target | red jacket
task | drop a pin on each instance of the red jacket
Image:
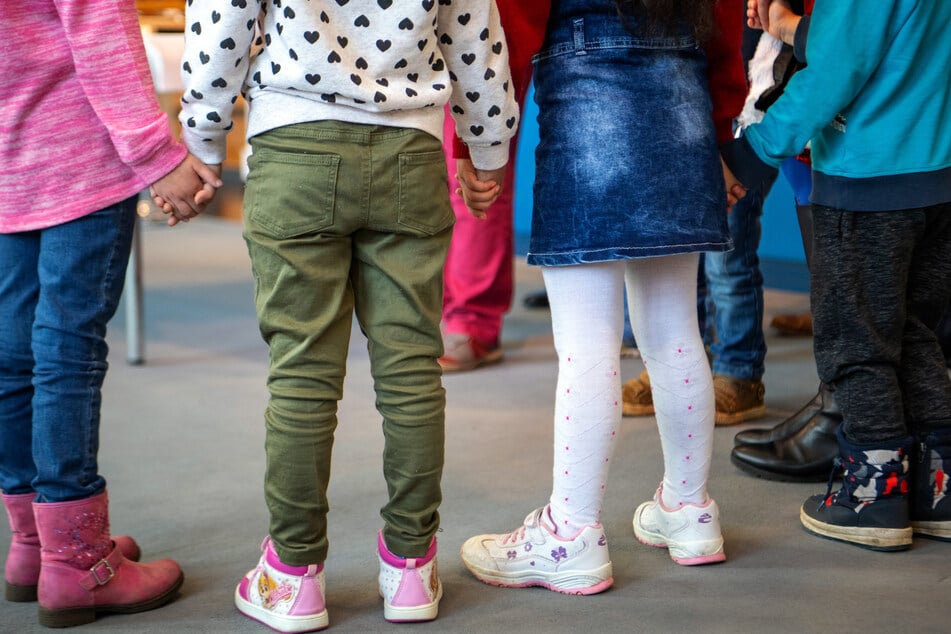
(725, 73)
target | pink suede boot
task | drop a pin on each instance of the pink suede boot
(83, 572)
(23, 561)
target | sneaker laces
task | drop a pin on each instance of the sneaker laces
(515, 536)
(519, 533)
(837, 463)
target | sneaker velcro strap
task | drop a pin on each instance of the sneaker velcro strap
(102, 571)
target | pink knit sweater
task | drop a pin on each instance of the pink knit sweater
(80, 127)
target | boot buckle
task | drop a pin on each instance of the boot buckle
(102, 572)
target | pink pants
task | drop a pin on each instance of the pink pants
(478, 278)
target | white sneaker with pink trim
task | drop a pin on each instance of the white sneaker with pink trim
(285, 598)
(691, 533)
(410, 587)
(535, 555)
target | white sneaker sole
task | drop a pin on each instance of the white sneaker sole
(565, 582)
(887, 539)
(280, 622)
(427, 612)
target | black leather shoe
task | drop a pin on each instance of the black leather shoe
(822, 402)
(806, 456)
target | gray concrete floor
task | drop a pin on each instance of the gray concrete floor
(182, 449)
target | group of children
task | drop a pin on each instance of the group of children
(347, 212)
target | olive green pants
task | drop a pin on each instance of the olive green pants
(342, 219)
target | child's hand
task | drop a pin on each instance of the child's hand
(734, 188)
(776, 17)
(478, 188)
(184, 192)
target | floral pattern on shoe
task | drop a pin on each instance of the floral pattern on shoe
(535, 555)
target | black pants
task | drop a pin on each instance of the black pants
(881, 283)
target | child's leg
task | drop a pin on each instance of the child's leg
(19, 292)
(925, 385)
(397, 285)
(587, 322)
(662, 294)
(79, 261)
(300, 254)
(874, 294)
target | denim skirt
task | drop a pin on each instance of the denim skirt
(627, 163)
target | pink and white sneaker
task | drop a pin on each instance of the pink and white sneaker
(285, 598)
(691, 533)
(410, 587)
(535, 555)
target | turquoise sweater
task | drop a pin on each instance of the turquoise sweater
(875, 100)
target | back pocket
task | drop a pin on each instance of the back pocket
(424, 192)
(291, 194)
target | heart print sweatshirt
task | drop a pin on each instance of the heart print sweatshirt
(381, 62)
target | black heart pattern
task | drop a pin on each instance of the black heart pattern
(362, 20)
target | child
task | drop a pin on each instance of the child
(624, 104)
(874, 100)
(81, 134)
(346, 211)
(478, 276)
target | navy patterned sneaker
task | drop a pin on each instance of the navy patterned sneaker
(931, 486)
(871, 509)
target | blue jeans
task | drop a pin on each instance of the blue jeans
(735, 284)
(58, 289)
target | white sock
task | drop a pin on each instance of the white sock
(587, 322)
(663, 308)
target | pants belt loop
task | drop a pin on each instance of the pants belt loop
(578, 31)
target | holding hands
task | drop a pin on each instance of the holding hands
(184, 192)
(478, 188)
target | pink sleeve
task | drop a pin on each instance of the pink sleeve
(105, 41)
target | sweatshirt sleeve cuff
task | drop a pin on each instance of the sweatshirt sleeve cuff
(743, 161)
(490, 157)
(208, 152)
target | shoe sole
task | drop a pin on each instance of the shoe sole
(883, 539)
(19, 594)
(933, 530)
(763, 474)
(413, 614)
(567, 582)
(723, 419)
(490, 358)
(681, 554)
(280, 622)
(68, 617)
